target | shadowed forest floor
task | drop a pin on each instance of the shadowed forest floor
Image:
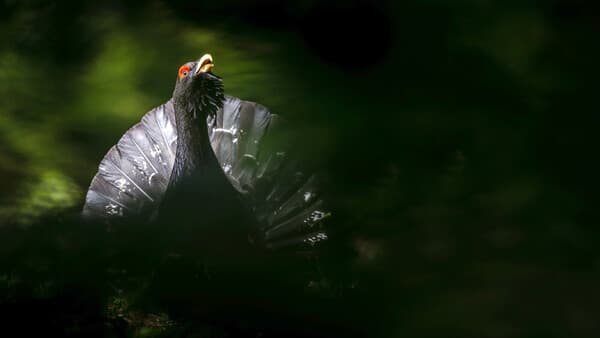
(456, 139)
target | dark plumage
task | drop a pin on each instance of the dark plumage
(208, 162)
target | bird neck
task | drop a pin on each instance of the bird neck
(194, 154)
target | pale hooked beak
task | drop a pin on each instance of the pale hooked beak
(205, 64)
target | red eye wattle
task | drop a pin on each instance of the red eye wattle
(184, 71)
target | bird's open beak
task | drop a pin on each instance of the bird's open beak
(204, 65)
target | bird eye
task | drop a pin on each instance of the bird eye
(184, 71)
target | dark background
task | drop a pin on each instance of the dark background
(457, 138)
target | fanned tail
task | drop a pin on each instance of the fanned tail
(133, 176)
(285, 200)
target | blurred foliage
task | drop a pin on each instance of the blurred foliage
(457, 138)
(52, 192)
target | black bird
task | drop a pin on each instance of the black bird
(192, 159)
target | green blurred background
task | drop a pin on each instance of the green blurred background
(456, 136)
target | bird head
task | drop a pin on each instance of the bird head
(198, 91)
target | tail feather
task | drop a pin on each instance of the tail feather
(107, 200)
(224, 148)
(134, 174)
(159, 124)
(301, 199)
(306, 241)
(284, 199)
(295, 223)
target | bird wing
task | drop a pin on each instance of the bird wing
(134, 174)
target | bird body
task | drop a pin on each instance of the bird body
(210, 163)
